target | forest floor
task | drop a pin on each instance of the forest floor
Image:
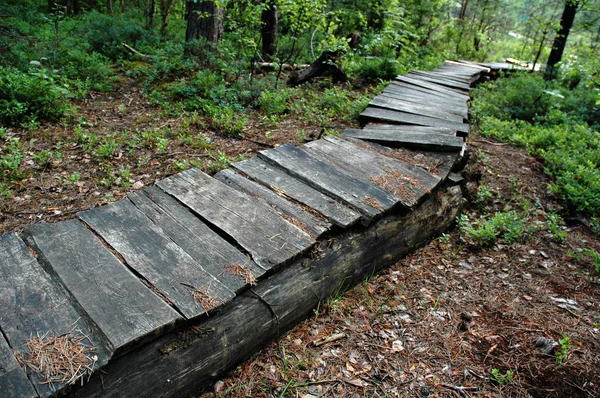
(120, 141)
(454, 318)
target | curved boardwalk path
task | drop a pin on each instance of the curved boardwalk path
(163, 291)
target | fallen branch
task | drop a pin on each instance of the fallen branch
(329, 339)
(462, 391)
(133, 50)
(284, 66)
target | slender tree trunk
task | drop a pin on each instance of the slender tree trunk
(204, 19)
(150, 13)
(560, 40)
(268, 30)
(165, 8)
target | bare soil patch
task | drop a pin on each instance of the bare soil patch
(453, 318)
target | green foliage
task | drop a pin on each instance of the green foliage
(552, 130)
(37, 94)
(509, 226)
(563, 352)
(10, 160)
(500, 379)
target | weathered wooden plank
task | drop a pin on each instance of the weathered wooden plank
(111, 297)
(315, 226)
(417, 109)
(366, 198)
(432, 141)
(387, 115)
(280, 181)
(461, 110)
(406, 183)
(13, 380)
(33, 305)
(450, 75)
(218, 257)
(152, 254)
(289, 296)
(433, 86)
(437, 163)
(452, 84)
(269, 238)
(400, 87)
(407, 129)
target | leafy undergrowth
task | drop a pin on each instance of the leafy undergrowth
(504, 305)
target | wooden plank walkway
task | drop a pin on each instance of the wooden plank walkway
(165, 290)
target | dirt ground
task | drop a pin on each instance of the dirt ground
(454, 318)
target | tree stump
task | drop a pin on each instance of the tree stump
(328, 64)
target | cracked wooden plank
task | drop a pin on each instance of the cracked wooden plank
(114, 299)
(33, 305)
(152, 254)
(390, 116)
(417, 109)
(366, 198)
(252, 223)
(406, 183)
(313, 225)
(205, 246)
(280, 181)
(13, 380)
(431, 140)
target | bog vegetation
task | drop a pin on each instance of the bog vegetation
(219, 64)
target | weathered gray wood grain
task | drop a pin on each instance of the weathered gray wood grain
(315, 226)
(110, 296)
(399, 86)
(280, 181)
(205, 246)
(406, 183)
(331, 180)
(407, 129)
(252, 223)
(152, 254)
(417, 109)
(13, 380)
(175, 366)
(433, 78)
(389, 116)
(454, 107)
(418, 81)
(432, 141)
(33, 305)
(437, 163)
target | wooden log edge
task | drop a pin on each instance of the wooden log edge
(187, 361)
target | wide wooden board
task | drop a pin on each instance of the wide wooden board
(417, 109)
(13, 380)
(454, 107)
(407, 129)
(217, 256)
(110, 296)
(399, 87)
(314, 225)
(153, 255)
(432, 141)
(250, 221)
(366, 198)
(282, 182)
(419, 81)
(387, 115)
(406, 183)
(33, 305)
(452, 84)
(438, 164)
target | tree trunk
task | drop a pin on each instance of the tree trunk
(268, 30)
(560, 40)
(150, 13)
(165, 8)
(204, 19)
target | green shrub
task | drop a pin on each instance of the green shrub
(30, 96)
(375, 68)
(510, 226)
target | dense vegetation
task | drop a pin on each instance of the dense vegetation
(54, 54)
